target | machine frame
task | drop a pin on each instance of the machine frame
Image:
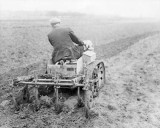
(86, 73)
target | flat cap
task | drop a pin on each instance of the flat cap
(55, 20)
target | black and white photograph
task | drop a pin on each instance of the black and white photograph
(79, 63)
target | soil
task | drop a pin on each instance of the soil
(130, 97)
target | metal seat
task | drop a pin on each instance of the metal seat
(66, 60)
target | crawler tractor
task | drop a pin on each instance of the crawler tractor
(86, 75)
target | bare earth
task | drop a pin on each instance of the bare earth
(130, 98)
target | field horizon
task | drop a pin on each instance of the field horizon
(43, 15)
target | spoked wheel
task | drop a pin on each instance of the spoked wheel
(97, 82)
(98, 76)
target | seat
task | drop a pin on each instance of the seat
(66, 60)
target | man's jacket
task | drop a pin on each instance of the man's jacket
(64, 42)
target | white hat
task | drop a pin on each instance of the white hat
(55, 21)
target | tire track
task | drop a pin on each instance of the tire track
(115, 47)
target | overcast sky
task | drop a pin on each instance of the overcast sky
(127, 8)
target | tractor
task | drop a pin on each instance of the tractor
(86, 75)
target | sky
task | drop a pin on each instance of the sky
(125, 8)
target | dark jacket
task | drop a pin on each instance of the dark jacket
(63, 40)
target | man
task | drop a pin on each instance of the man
(66, 44)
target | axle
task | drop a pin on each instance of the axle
(52, 84)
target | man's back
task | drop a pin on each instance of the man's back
(59, 38)
(63, 39)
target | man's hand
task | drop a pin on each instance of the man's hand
(88, 45)
(85, 47)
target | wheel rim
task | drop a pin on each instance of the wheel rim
(95, 86)
(101, 74)
(88, 99)
(90, 103)
(99, 77)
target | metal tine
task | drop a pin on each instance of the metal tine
(35, 77)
